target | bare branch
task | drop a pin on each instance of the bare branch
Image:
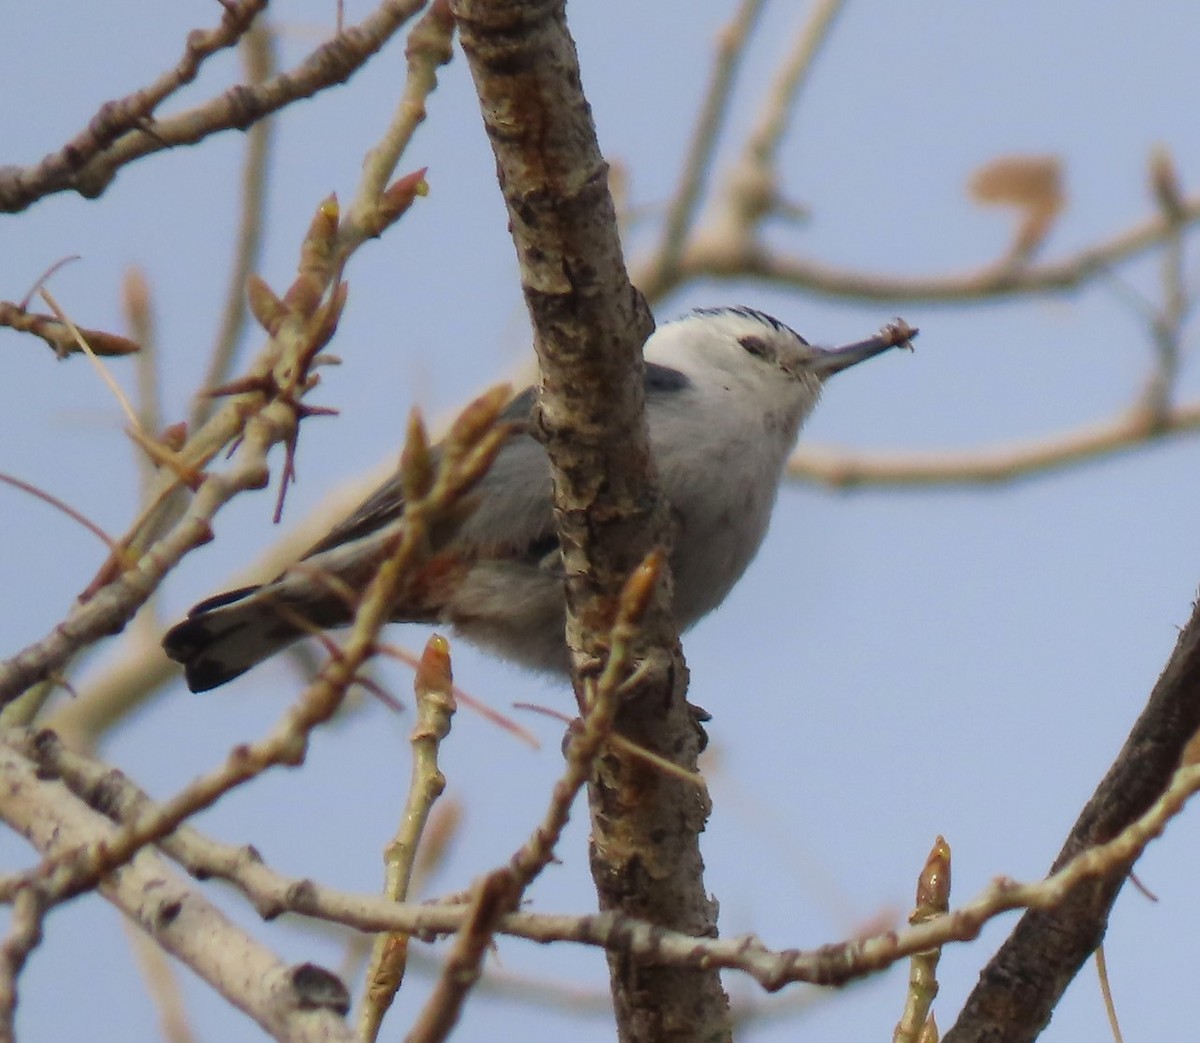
(239, 107)
(133, 112)
(24, 935)
(258, 57)
(266, 410)
(281, 999)
(751, 190)
(731, 46)
(140, 670)
(434, 691)
(468, 452)
(762, 145)
(1023, 982)
(500, 891)
(56, 333)
(273, 894)
(845, 470)
(711, 254)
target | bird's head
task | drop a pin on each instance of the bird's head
(744, 350)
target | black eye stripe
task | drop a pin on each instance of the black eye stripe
(756, 346)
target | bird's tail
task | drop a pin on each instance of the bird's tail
(226, 635)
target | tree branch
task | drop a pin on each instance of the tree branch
(843, 469)
(272, 894)
(1022, 984)
(237, 108)
(589, 325)
(298, 1003)
(135, 112)
(680, 216)
(258, 57)
(713, 254)
(266, 409)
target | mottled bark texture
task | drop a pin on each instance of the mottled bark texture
(1019, 989)
(589, 325)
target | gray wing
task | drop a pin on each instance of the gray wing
(386, 503)
(516, 514)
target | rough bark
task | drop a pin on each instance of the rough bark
(589, 325)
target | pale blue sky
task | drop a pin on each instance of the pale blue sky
(893, 666)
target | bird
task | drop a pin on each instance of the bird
(727, 390)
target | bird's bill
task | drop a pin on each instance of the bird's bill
(828, 361)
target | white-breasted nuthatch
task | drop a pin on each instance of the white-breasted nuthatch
(727, 390)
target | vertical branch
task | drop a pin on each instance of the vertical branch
(139, 316)
(24, 935)
(762, 146)
(162, 986)
(1166, 326)
(500, 891)
(752, 190)
(589, 324)
(731, 45)
(258, 56)
(435, 706)
(933, 900)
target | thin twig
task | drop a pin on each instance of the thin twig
(58, 336)
(428, 48)
(24, 934)
(137, 674)
(66, 508)
(272, 893)
(266, 410)
(258, 58)
(500, 891)
(467, 453)
(1110, 1008)
(1166, 327)
(237, 108)
(933, 900)
(86, 348)
(139, 315)
(731, 46)
(435, 707)
(752, 186)
(779, 107)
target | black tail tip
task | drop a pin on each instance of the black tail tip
(191, 644)
(194, 643)
(204, 675)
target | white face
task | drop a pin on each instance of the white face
(753, 349)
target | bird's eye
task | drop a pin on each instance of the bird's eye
(756, 346)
